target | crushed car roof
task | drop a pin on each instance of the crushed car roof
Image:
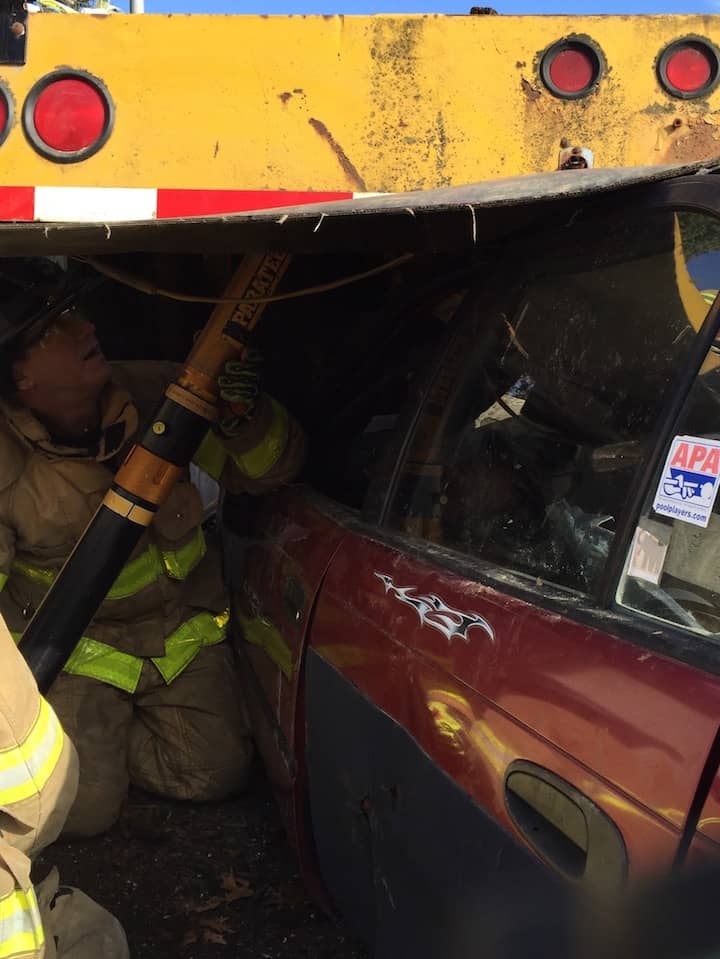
(440, 220)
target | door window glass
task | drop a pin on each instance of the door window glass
(548, 396)
(672, 571)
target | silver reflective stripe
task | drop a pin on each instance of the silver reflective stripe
(25, 768)
(21, 931)
(44, 748)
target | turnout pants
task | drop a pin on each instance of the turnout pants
(186, 740)
(75, 926)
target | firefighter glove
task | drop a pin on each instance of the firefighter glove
(239, 385)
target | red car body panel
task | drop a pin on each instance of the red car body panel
(629, 728)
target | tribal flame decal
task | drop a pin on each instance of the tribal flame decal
(432, 611)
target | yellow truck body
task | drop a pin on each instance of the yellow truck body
(346, 105)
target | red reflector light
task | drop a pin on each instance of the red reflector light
(571, 69)
(68, 116)
(689, 68)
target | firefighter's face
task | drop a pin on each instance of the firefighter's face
(67, 357)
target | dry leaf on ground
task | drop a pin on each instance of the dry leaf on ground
(234, 889)
(209, 930)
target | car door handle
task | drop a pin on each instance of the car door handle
(565, 828)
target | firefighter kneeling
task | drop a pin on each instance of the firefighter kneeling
(150, 695)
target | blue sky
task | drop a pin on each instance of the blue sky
(425, 6)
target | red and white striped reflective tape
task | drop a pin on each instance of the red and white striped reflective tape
(79, 204)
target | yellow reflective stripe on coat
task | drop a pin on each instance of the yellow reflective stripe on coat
(96, 660)
(186, 642)
(26, 767)
(43, 577)
(146, 568)
(21, 929)
(179, 563)
(139, 572)
(709, 296)
(261, 459)
(260, 632)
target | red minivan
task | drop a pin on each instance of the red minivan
(482, 635)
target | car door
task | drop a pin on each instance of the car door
(481, 711)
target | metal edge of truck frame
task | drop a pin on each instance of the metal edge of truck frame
(443, 220)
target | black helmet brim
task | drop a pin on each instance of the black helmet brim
(26, 315)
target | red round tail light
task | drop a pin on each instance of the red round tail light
(68, 116)
(689, 68)
(571, 69)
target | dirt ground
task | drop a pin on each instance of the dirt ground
(203, 882)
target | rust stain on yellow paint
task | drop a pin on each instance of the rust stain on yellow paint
(347, 165)
(697, 139)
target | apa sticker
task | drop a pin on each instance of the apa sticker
(689, 480)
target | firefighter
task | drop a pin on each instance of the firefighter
(38, 779)
(150, 695)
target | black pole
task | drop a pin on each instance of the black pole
(70, 604)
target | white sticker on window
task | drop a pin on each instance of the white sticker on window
(648, 551)
(689, 480)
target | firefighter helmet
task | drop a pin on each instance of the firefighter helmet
(33, 293)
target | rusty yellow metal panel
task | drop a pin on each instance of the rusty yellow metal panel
(363, 104)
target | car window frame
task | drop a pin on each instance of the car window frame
(693, 194)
